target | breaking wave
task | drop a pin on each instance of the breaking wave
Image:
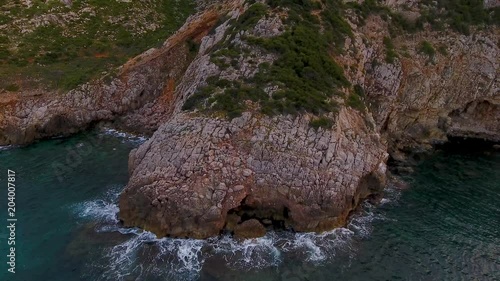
(7, 147)
(320, 247)
(103, 209)
(124, 136)
(248, 254)
(142, 256)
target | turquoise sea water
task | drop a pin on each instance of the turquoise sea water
(444, 226)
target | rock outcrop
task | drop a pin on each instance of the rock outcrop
(200, 175)
(195, 171)
(420, 100)
(139, 98)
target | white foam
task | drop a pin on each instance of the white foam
(125, 136)
(182, 259)
(249, 253)
(7, 147)
(186, 254)
(122, 257)
(175, 259)
(319, 247)
(385, 201)
(102, 210)
(392, 194)
(362, 224)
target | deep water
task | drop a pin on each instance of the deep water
(444, 226)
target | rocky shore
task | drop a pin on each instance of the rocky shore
(200, 175)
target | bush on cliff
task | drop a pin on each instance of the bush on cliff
(390, 53)
(427, 48)
(321, 122)
(305, 71)
(460, 15)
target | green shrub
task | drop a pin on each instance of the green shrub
(461, 14)
(230, 52)
(321, 122)
(4, 19)
(458, 14)
(355, 101)
(358, 90)
(304, 71)
(304, 66)
(195, 99)
(102, 43)
(442, 50)
(397, 20)
(4, 54)
(390, 53)
(193, 47)
(12, 88)
(426, 48)
(251, 16)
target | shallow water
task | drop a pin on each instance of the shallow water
(446, 226)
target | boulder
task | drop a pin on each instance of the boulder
(249, 229)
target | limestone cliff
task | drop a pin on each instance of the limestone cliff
(420, 100)
(234, 149)
(136, 99)
(196, 174)
(199, 176)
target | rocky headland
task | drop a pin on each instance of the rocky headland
(223, 158)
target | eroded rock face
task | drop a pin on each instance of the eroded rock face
(139, 98)
(194, 171)
(457, 95)
(463, 122)
(420, 100)
(200, 176)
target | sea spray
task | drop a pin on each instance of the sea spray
(183, 259)
(250, 253)
(319, 247)
(137, 139)
(8, 147)
(103, 209)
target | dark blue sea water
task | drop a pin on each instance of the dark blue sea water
(444, 226)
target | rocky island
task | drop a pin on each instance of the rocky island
(280, 114)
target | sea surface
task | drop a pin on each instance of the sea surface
(444, 225)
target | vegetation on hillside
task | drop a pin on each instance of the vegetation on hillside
(305, 73)
(427, 48)
(49, 44)
(459, 15)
